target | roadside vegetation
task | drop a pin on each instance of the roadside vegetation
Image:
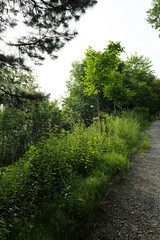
(50, 192)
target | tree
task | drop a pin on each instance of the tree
(19, 96)
(17, 88)
(15, 134)
(100, 69)
(77, 105)
(140, 78)
(154, 14)
(20, 128)
(46, 118)
(145, 97)
(118, 92)
(139, 68)
(46, 22)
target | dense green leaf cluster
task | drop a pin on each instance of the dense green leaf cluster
(100, 67)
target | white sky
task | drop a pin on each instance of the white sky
(115, 20)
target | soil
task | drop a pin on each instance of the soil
(131, 211)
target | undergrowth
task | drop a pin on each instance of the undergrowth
(51, 192)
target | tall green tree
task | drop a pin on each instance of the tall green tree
(100, 69)
(47, 25)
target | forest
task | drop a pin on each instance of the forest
(57, 159)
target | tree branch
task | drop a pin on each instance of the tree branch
(20, 44)
(8, 93)
(2, 40)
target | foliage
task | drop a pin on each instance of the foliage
(153, 14)
(132, 84)
(64, 166)
(77, 105)
(46, 23)
(20, 128)
(140, 78)
(60, 179)
(15, 134)
(100, 68)
(25, 114)
(139, 68)
(46, 118)
(118, 92)
(146, 97)
(17, 87)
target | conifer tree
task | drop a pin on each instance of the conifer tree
(46, 22)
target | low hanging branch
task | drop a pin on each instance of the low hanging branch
(47, 22)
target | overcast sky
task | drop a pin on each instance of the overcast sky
(115, 20)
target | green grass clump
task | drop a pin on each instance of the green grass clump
(51, 192)
(145, 143)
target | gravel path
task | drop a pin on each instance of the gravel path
(132, 209)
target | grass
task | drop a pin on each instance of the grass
(145, 143)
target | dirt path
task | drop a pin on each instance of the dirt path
(132, 209)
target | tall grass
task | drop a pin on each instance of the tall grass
(50, 194)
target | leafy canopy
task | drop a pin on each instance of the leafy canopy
(100, 67)
(138, 69)
(102, 75)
